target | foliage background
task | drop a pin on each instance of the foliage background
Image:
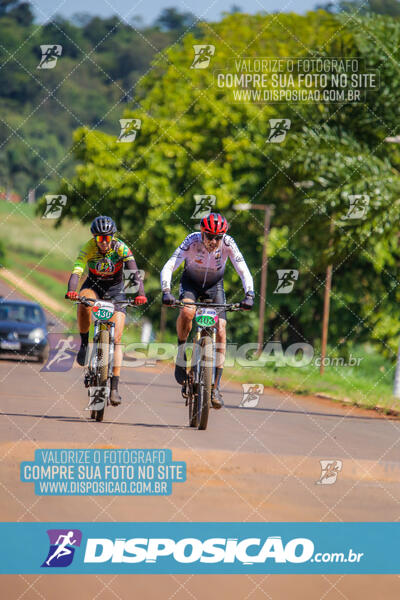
(59, 129)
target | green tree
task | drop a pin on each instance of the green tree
(194, 139)
(359, 7)
(171, 19)
(20, 11)
(94, 77)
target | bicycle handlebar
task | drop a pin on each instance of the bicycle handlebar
(177, 304)
(90, 301)
(231, 306)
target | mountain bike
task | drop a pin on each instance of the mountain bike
(200, 377)
(97, 377)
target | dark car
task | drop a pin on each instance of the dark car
(23, 329)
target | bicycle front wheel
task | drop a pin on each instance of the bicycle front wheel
(102, 365)
(205, 381)
(193, 399)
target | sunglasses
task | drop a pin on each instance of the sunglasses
(212, 236)
(103, 238)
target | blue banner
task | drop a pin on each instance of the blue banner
(214, 548)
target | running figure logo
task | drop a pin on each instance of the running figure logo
(204, 205)
(54, 206)
(329, 471)
(251, 394)
(358, 207)
(98, 397)
(279, 129)
(50, 53)
(131, 281)
(63, 350)
(62, 547)
(286, 280)
(202, 56)
(129, 129)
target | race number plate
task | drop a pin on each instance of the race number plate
(206, 317)
(103, 311)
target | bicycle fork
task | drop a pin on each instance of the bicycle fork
(111, 348)
(199, 354)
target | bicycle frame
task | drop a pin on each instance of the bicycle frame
(201, 331)
(198, 389)
(98, 326)
(93, 378)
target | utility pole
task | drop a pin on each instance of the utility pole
(327, 300)
(31, 196)
(163, 320)
(396, 387)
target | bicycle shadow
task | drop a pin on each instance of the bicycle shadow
(64, 419)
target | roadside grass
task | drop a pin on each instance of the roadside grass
(33, 242)
(368, 384)
(54, 288)
(37, 236)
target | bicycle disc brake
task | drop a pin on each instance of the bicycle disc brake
(87, 379)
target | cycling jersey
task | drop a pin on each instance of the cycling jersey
(205, 268)
(105, 268)
(103, 265)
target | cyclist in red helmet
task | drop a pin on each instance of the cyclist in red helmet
(205, 254)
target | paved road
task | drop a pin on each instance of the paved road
(258, 464)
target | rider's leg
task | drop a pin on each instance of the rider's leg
(184, 321)
(84, 312)
(119, 319)
(221, 349)
(183, 328)
(84, 315)
(218, 296)
(219, 363)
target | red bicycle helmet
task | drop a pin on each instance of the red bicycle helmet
(214, 223)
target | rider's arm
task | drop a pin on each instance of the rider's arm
(79, 265)
(73, 282)
(172, 264)
(131, 266)
(240, 266)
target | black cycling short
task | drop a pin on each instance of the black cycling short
(107, 290)
(190, 289)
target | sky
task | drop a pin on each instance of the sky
(209, 10)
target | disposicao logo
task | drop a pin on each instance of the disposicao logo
(62, 547)
(190, 550)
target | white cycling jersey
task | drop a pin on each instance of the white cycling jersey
(206, 268)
